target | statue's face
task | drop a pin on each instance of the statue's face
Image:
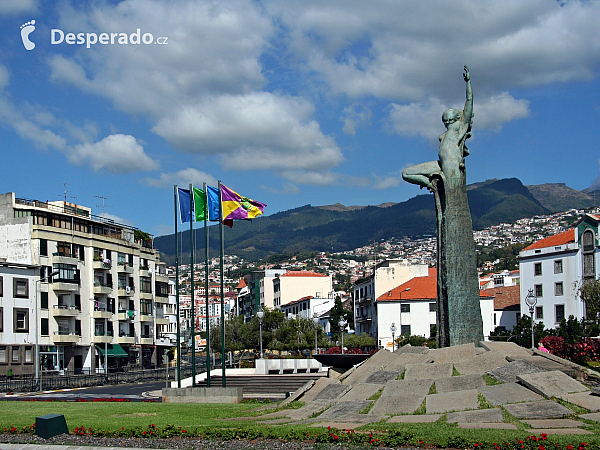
(450, 116)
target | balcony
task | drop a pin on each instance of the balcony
(102, 264)
(162, 300)
(64, 258)
(146, 317)
(102, 288)
(162, 277)
(162, 321)
(166, 341)
(126, 314)
(365, 299)
(124, 268)
(65, 337)
(101, 339)
(145, 272)
(101, 314)
(363, 317)
(125, 291)
(65, 285)
(146, 339)
(65, 311)
(146, 295)
(125, 338)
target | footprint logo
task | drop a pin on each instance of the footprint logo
(26, 29)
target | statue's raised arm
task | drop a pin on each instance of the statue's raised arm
(468, 111)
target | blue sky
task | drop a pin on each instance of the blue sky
(289, 103)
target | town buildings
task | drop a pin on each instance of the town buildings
(95, 291)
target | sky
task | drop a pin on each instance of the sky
(288, 102)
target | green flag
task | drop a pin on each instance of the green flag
(199, 204)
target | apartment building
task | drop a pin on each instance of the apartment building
(292, 285)
(386, 276)
(105, 294)
(554, 267)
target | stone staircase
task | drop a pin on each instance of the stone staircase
(274, 387)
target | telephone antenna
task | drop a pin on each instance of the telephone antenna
(103, 205)
(64, 194)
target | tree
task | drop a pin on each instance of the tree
(335, 314)
(589, 292)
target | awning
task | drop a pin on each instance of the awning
(113, 350)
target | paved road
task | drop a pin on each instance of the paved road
(134, 392)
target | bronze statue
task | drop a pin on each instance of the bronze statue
(459, 314)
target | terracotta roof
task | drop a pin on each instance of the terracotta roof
(299, 300)
(432, 272)
(505, 296)
(417, 288)
(566, 237)
(241, 284)
(298, 273)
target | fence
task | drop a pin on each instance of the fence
(69, 381)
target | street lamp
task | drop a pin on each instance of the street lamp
(531, 301)
(260, 314)
(316, 322)
(342, 323)
(37, 333)
(393, 330)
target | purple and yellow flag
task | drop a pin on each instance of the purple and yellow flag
(236, 207)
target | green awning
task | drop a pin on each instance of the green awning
(113, 350)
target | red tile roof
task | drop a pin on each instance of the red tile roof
(241, 284)
(298, 273)
(505, 296)
(566, 237)
(299, 300)
(418, 288)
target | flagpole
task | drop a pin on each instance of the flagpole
(177, 293)
(206, 286)
(222, 293)
(192, 286)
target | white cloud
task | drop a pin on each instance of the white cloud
(117, 219)
(356, 116)
(182, 178)
(311, 177)
(117, 153)
(286, 189)
(4, 77)
(17, 6)
(387, 182)
(256, 131)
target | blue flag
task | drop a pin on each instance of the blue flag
(213, 203)
(184, 205)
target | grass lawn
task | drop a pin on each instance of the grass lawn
(204, 418)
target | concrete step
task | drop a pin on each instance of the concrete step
(265, 384)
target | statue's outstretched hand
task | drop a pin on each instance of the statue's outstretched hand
(466, 75)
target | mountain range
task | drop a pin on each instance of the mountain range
(338, 227)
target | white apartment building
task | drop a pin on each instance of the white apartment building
(412, 308)
(555, 266)
(387, 275)
(308, 306)
(17, 317)
(292, 285)
(104, 290)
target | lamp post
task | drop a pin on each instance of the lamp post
(342, 323)
(316, 323)
(260, 314)
(393, 330)
(37, 333)
(531, 301)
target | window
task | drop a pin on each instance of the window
(43, 300)
(433, 307)
(538, 290)
(63, 249)
(21, 320)
(558, 288)
(537, 269)
(405, 330)
(121, 259)
(558, 268)
(15, 354)
(539, 312)
(405, 307)
(3, 354)
(44, 327)
(20, 288)
(1, 287)
(28, 355)
(66, 272)
(559, 313)
(1, 320)
(43, 247)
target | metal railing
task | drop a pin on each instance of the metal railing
(53, 381)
